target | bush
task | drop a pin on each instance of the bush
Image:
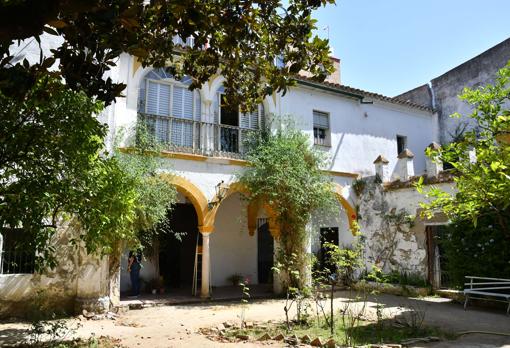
(477, 251)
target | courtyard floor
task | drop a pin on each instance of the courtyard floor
(177, 325)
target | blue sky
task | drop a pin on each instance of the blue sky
(391, 46)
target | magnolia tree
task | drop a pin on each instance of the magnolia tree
(55, 168)
(285, 172)
(50, 140)
(480, 160)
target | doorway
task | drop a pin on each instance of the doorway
(327, 235)
(177, 249)
(437, 262)
(265, 252)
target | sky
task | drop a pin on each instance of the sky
(392, 46)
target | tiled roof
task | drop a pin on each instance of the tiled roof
(355, 92)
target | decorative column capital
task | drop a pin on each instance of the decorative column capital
(206, 230)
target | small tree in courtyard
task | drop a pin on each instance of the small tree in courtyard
(286, 173)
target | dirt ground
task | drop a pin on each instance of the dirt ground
(177, 326)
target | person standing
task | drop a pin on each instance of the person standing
(134, 267)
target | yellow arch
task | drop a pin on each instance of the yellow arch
(350, 211)
(193, 193)
(252, 210)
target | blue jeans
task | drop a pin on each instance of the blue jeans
(135, 281)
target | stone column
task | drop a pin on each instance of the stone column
(405, 165)
(434, 165)
(206, 261)
(277, 278)
(381, 168)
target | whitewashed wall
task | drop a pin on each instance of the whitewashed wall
(233, 250)
(361, 132)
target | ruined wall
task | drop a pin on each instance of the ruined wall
(446, 89)
(78, 281)
(420, 95)
(395, 238)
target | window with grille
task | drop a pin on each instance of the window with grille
(17, 256)
(321, 131)
(171, 108)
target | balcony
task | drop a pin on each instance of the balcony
(196, 137)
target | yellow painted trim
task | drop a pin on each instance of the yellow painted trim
(252, 210)
(136, 64)
(231, 161)
(351, 212)
(191, 192)
(184, 156)
(210, 218)
(238, 162)
(206, 229)
(336, 173)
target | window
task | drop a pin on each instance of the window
(401, 143)
(321, 128)
(234, 125)
(16, 255)
(170, 108)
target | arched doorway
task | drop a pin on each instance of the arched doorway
(177, 248)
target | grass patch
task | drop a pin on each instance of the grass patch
(92, 342)
(366, 332)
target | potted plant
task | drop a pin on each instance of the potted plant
(235, 279)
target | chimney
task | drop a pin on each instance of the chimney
(434, 165)
(381, 168)
(405, 167)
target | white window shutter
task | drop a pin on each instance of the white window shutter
(177, 108)
(198, 106)
(188, 104)
(152, 98)
(320, 119)
(164, 100)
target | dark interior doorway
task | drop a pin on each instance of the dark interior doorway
(177, 257)
(265, 252)
(327, 235)
(437, 262)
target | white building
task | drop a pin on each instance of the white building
(205, 149)
(204, 141)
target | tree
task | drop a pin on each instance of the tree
(52, 160)
(51, 165)
(54, 168)
(482, 180)
(155, 196)
(285, 172)
(244, 40)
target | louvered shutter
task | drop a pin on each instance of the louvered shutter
(244, 120)
(152, 98)
(177, 110)
(164, 100)
(188, 104)
(158, 99)
(198, 106)
(177, 133)
(320, 119)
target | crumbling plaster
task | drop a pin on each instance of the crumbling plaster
(394, 232)
(78, 281)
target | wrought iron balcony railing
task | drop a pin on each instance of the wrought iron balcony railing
(196, 137)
